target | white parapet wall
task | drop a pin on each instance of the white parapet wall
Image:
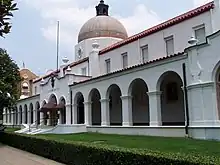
(171, 131)
(67, 129)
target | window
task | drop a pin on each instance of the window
(144, 53)
(84, 73)
(169, 45)
(35, 90)
(108, 65)
(200, 33)
(125, 60)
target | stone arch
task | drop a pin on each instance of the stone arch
(53, 98)
(37, 108)
(172, 99)
(94, 98)
(43, 103)
(62, 102)
(25, 114)
(140, 102)
(79, 102)
(53, 114)
(20, 113)
(31, 111)
(115, 104)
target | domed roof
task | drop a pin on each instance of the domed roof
(102, 25)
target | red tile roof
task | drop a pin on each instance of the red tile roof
(132, 67)
(57, 71)
(161, 26)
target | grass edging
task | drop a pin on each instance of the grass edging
(82, 153)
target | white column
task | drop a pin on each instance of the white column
(59, 120)
(68, 114)
(42, 118)
(75, 113)
(18, 118)
(105, 112)
(155, 108)
(126, 110)
(88, 113)
(23, 117)
(29, 117)
(13, 118)
(35, 117)
(49, 119)
(4, 118)
(9, 115)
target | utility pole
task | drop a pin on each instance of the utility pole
(58, 37)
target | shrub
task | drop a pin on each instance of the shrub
(81, 153)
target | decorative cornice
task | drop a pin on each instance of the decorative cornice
(200, 85)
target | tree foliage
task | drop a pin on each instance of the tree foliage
(6, 9)
(9, 80)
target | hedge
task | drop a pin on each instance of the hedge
(81, 153)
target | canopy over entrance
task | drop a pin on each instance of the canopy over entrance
(52, 107)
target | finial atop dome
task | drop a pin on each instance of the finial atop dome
(102, 9)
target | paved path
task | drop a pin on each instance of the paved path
(12, 156)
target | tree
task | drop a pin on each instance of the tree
(9, 81)
(6, 9)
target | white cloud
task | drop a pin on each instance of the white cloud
(72, 14)
(200, 2)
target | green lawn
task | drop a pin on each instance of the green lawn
(11, 129)
(162, 144)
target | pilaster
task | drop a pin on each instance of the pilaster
(202, 105)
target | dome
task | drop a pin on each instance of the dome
(102, 25)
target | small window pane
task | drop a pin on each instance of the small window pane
(200, 35)
(84, 73)
(108, 66)
(125, 60)
(144, 54)
(169, 46)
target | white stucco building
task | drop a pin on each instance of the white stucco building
(163, 81)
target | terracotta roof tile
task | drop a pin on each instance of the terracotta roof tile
(164, 25)
(132, 67)
(57, 71)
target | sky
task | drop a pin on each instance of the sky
(32, 40)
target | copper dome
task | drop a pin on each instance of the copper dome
(102, 26)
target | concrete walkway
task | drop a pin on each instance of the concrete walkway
(12, 156)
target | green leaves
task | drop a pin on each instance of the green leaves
(85, 153)
(9, 80)
(6, 9)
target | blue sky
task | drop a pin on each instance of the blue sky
(33, 36)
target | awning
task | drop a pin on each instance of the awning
(48, 107)
(52, 107)
(60, 106)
